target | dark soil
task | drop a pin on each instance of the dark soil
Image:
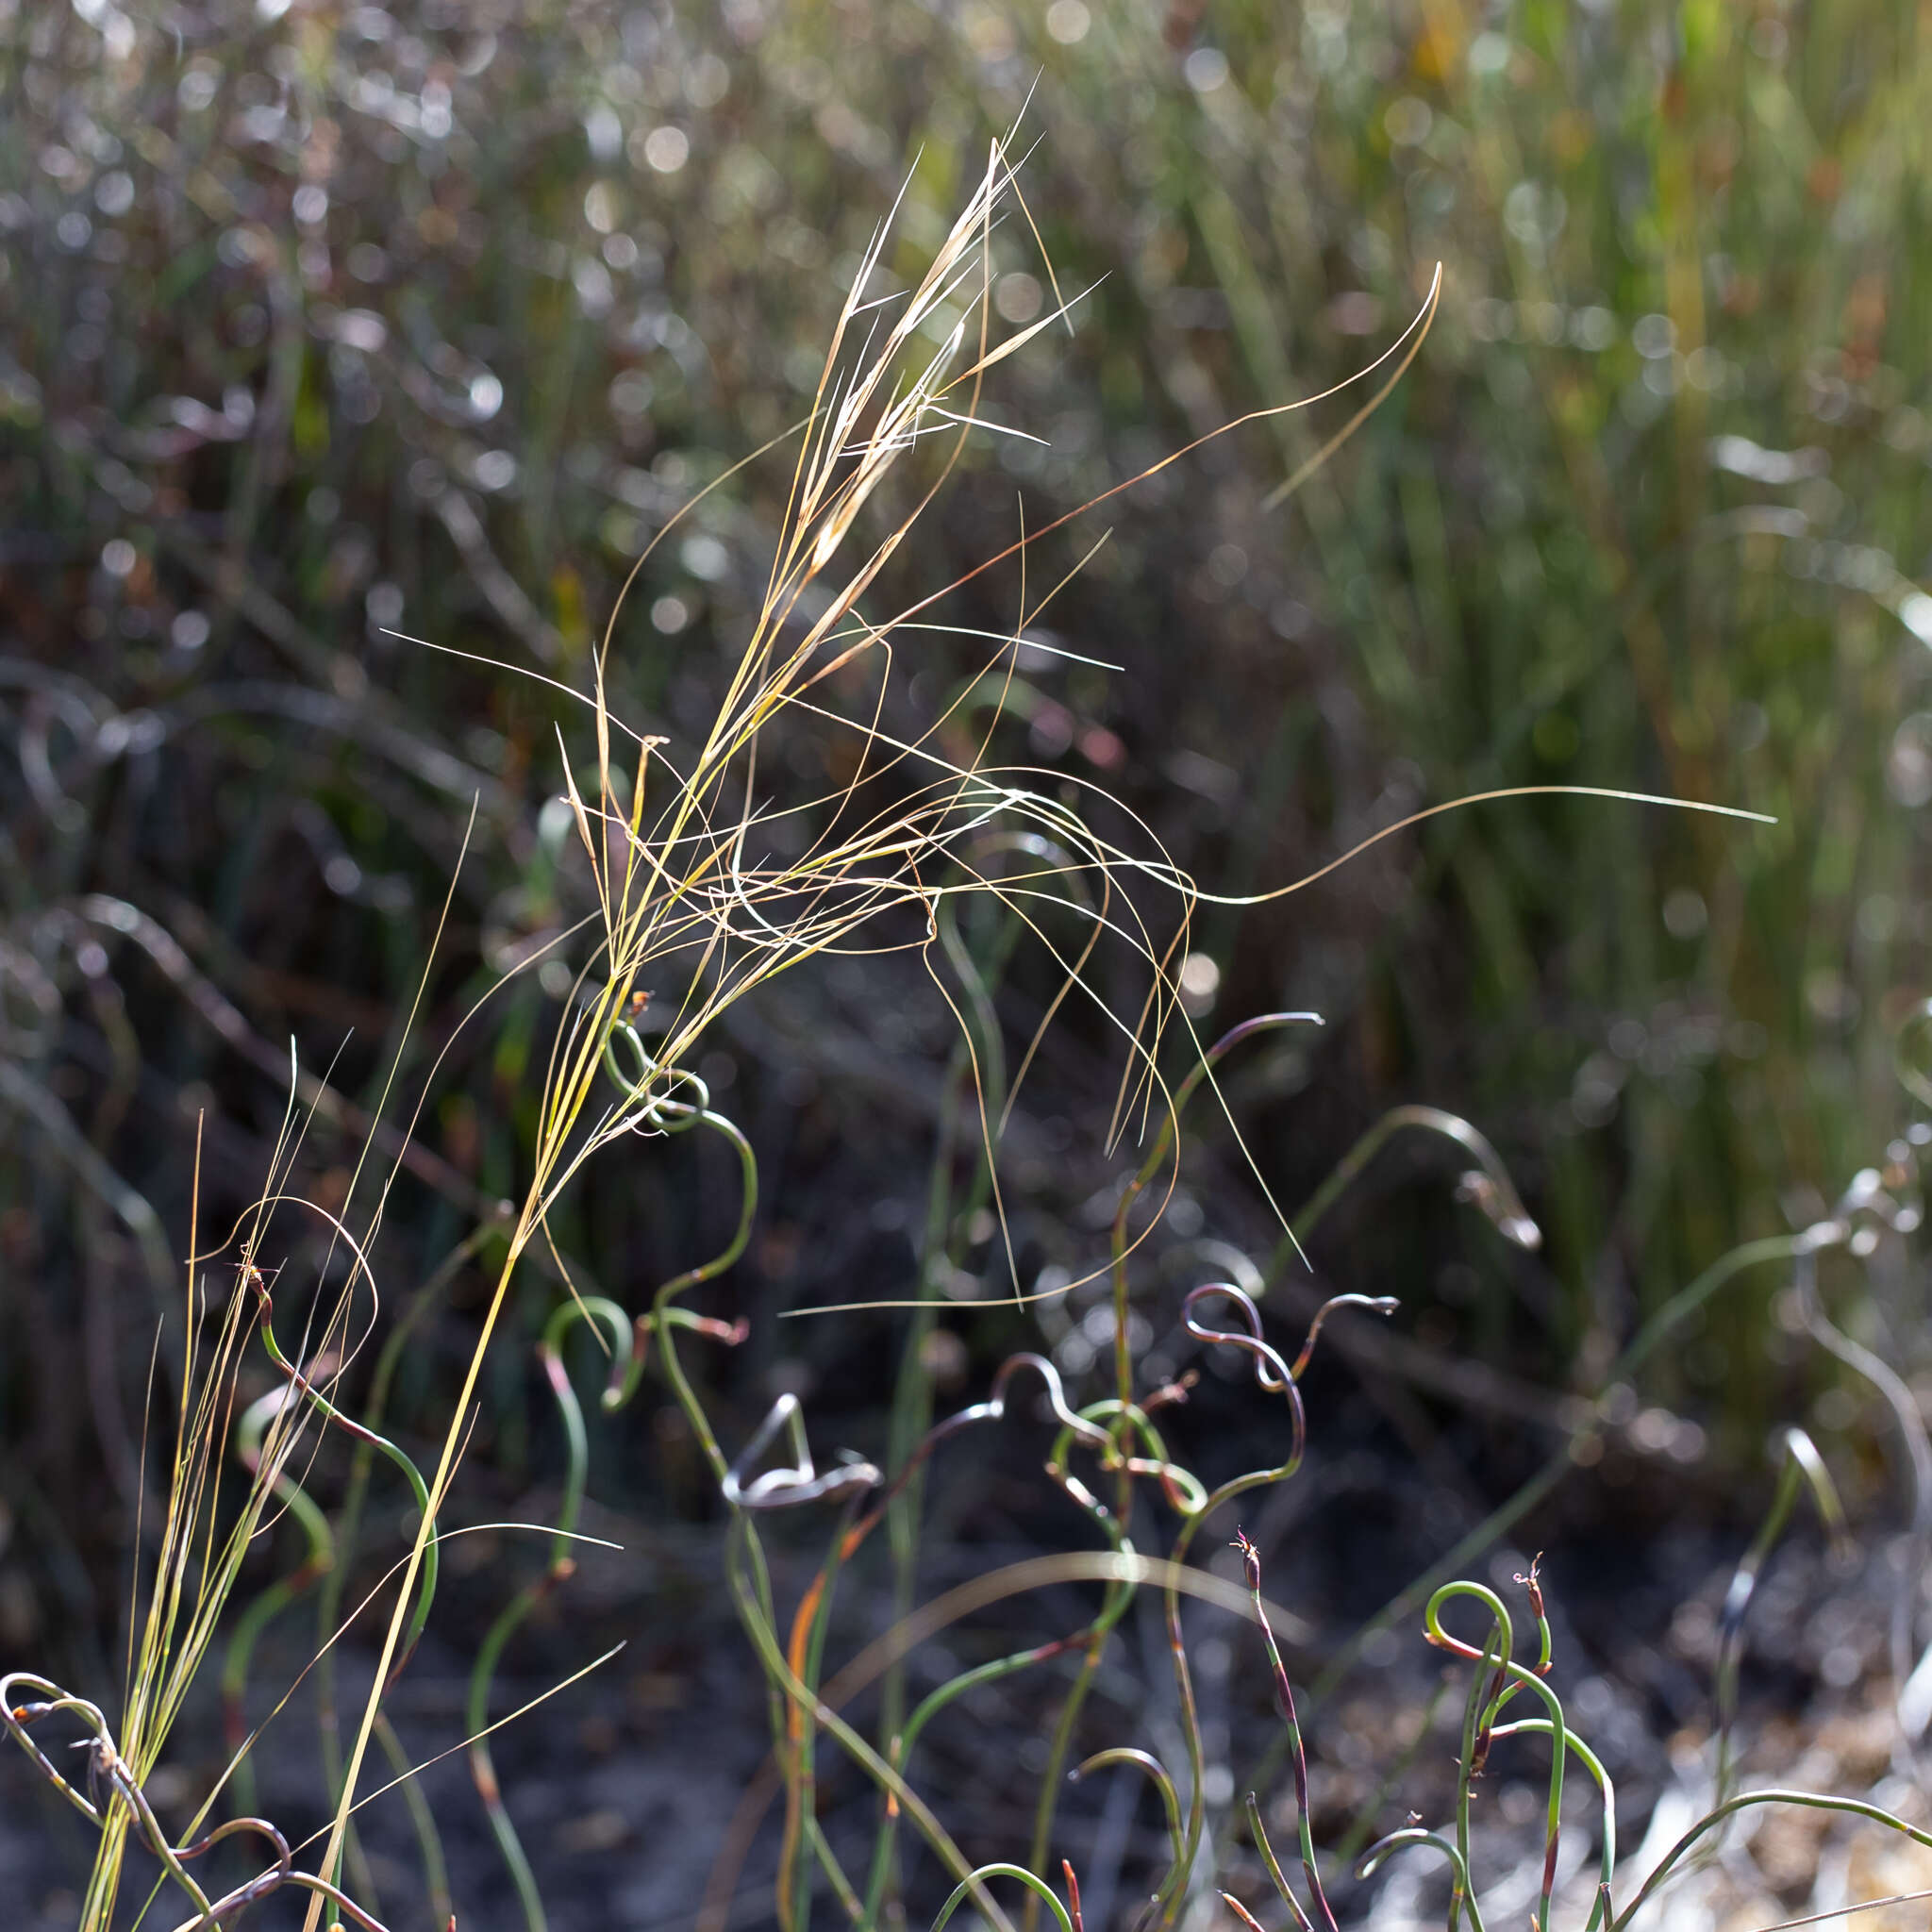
(622, 1785)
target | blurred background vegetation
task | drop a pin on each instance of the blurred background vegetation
(322, 322)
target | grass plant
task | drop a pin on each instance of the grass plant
(1558, 556)
(711, 876)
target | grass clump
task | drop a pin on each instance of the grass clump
(708, 882)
